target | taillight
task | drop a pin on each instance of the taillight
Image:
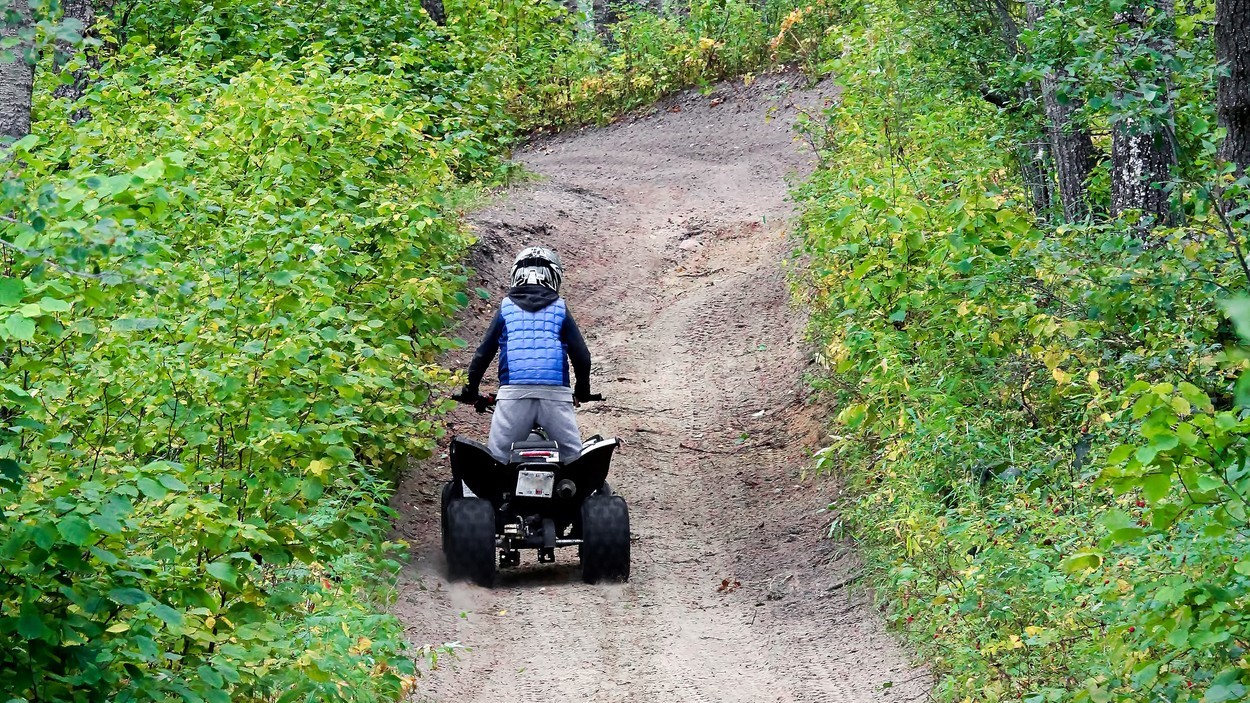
(538, 455)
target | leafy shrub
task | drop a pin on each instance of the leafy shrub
(223, 305)
(1040, 422)
(565, 76)
(222, 302)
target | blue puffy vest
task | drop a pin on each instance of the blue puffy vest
(532, 352)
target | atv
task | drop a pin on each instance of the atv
(534, 502)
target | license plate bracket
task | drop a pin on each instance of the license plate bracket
(535, 484)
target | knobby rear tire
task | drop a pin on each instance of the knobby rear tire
(470, 539)
(605, 539)
(445, 500)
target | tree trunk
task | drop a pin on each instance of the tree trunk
(604, 13)
(604, 16)
(1073, 150)
(84, 12)
(1232, 48)
(1033, 158)
(1141, 161)
(1071, 144)
(1141, 152)
(1035, 162)
(17, 76)
(434, 8)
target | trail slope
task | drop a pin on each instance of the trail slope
(672, 230)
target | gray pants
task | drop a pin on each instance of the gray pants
(514, 419)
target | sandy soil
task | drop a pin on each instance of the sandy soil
(672, 227)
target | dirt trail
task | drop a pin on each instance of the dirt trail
(672, 231)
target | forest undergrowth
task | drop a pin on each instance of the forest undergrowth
(1038, 362)
(228, 262)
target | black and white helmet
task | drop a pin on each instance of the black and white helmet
(538, 265)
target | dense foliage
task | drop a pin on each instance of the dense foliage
(222, 303)
(1042, 419)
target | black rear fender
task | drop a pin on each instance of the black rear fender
(590, 470)
(489, 479)
(472, 463)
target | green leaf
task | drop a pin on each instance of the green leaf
(1221, 693)
(224, 572)
(1126, 534)
(127, 596)
(1164, 442)
(1241, 390)
(210, 676)
(151, 488)
(172, 482)
(11, 470)
(152, 170)
(1081, 561)
(19, 327)
(168, 615)
(1156, 486)
(136, 324)
(74, 529)
(312, 488)
(12, 290)
(53, 304)
(1120, 454)
(482, 293)
(283, 277)
(30, 624)
(1238, 311)
(107, 524)
(341, 454)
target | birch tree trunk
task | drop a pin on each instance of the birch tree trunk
(17, 76)
(1141, 151)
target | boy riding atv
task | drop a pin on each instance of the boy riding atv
(535, 337)
(536, 486)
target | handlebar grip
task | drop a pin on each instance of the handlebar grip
(484, 403)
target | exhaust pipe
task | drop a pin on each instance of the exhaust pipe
(566, 489)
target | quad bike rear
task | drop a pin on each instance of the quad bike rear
(492, 511)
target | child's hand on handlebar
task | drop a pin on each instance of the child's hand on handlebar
(579, 398)
(466, 396)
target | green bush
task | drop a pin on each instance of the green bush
(987, 367)
(222, 303)
(568, 77)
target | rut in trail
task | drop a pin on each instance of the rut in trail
(672, 229)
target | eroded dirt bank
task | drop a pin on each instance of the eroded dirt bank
(672, 231)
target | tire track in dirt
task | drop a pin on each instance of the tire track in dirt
(672, 230)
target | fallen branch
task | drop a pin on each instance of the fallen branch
(692, 448)
(845, 582)
(701, 274)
